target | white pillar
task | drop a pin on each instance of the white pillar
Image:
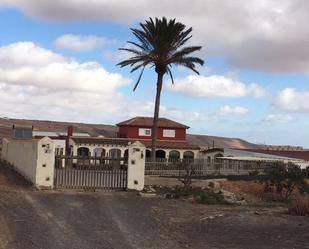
(45, 163)
(75, 147)
(136, 166)
(181, 154)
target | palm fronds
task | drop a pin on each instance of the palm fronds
(160, 44)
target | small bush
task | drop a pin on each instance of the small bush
(181, 191)
(299, 208)
(200, 196)
(210, 198)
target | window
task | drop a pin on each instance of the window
(23, 133)
(144, 132)
(168, 133)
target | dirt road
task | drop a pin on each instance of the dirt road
(32, 219)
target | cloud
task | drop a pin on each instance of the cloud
(229, 110)
(142, 108)
(256, 90)
(78, 42)
(293, 100)
(279, 118)
(264, 35)
(214, 86)
(45, 68)
(181, 115)
(118, 55)
(49, 85)
(17, 55)
(44, 103)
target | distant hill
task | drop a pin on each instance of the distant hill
(46, 125)
(111, 131)
(222, 142)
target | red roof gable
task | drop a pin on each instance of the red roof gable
(148, 122)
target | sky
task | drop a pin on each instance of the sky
(58, 62)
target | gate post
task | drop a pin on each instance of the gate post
(136, 166)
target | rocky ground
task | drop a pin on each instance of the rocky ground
(108, 219)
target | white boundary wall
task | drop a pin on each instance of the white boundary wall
(32, 158)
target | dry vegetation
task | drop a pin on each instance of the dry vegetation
(252, 191)
(299, 207)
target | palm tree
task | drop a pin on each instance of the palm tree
(160, 45)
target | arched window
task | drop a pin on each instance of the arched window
(148, 154)
(188, 156)
(83, 152)
(160, 154)
(174, 155)
(115, 153)
(99, 152)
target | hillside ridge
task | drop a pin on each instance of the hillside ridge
(111, 131)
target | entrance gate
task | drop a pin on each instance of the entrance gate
(90, 172)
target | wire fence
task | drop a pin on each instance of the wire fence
(202, 167)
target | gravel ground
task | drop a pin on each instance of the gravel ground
(107, 219)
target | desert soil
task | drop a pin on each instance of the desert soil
(31, 219)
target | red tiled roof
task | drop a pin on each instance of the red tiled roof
(148, 122)
(303, 154)
(124, 142)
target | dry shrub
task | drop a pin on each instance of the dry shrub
(299, 208)
(244, 187)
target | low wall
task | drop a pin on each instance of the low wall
(32, 158)
(172, 182)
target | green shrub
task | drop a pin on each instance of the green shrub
(200, 196)
(210, 198)
(284, 179)
(182, 191)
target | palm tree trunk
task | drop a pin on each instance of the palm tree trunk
(156, 117)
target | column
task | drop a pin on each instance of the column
(136, 166)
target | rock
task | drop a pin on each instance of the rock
(147, 195)
(232, 198)
(214, 184)
(242, 202)
(211, 217)
(149, 189)
(169, 196)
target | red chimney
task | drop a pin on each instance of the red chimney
(67, 140)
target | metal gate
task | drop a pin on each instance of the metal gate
(90, 172)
